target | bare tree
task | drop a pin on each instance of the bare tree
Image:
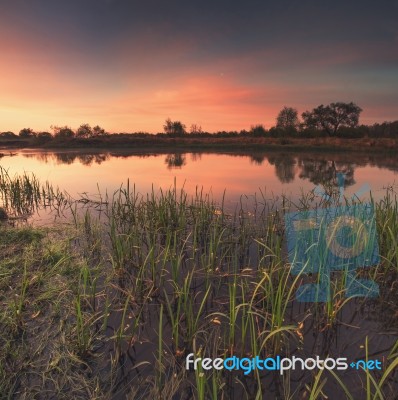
(195, 129)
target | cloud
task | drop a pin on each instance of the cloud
(223, 65)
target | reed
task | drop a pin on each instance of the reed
(164, 274)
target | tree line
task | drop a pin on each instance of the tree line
(335, 119)
(85, 131)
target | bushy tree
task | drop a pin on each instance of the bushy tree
(26, 133)
(98, 131)
(195, 129)
(174, 128)
(176, 160)
(63, 132)
(258, 130)
(287, 119)
(386, 129)
(8, 135)
(44, 136)
(84, 131)
(331, 117)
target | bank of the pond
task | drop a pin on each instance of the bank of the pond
(194, 143)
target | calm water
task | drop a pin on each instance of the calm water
(240, 175)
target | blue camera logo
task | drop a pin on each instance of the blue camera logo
(322, 241)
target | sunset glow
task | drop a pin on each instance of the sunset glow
(123, 66)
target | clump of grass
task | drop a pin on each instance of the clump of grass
(23, 195)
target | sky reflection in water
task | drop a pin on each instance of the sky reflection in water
(239, 174)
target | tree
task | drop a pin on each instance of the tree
(26, 133)
(176, 160)
(258, 130)
(8, 134)
(287, 119)
(84, 131)
(64, 132)
(195, 129)
(330, 118)
(44, 136)
(98, 131)
(284, 167)
(175, 128)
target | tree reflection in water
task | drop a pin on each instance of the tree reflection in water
(322, 171)
(257, 158)
(284, 167)
(318, 168)
(176, 160)
(88, 159)
(85, 159)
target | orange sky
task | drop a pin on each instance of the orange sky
(126, 68)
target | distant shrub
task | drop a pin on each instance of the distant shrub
(312, 133)
(351, 133)
(195, 129)
(227, 134)
(44, 136)
(174, 128)
(84, 131)
(98, 131)
(63, 132)
(8, 135)
(386, 129)
(258, 130)
(26, 133)
(276, 132)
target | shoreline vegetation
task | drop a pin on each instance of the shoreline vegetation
(108, 302)
(325, 128)
(148, 142)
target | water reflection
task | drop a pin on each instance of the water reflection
(176, 160)
(324, 171)
(284, 167)
(231, 169)
(69, 158)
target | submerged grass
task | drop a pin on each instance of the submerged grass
(109, 308)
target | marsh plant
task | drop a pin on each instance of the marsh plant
(109, 303)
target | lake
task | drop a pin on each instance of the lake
(191, 275)
(240, 175)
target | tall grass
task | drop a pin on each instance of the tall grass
(165, 274)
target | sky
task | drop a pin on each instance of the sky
(224, 65)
